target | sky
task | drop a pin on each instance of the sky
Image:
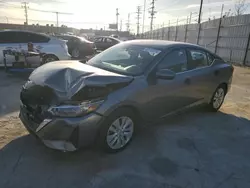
(98, 14)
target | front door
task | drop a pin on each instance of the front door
(201, 74)
(167, 96)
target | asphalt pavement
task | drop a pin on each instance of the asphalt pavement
(197, 149)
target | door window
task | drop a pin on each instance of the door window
(25, 37)
(8, 37)
(108, 40)
(175, 61)
(210, 58)
(198, 58)
(98, 40)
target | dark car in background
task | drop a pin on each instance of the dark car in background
(78, 47)
(72, 104)
(105, 42)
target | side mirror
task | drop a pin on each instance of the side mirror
(165, 74)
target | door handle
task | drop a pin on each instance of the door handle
(187, 81)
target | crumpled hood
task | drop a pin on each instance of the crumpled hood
(66, 78)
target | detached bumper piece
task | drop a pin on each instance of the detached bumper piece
(65, 134)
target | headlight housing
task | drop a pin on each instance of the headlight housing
(70, 110)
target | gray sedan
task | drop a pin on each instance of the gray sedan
(74, 104)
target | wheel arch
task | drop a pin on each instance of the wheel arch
(225, 85)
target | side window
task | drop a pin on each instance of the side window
(175, 61)
(108, 40)
(98, 40)
(210, 58)
(8, 37)
(197, 59)
(35, 38)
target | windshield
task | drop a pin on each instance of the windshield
(125, 59)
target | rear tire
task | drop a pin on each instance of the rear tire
(75, 53)
(217, 98)
(117, 130)
(49, 58)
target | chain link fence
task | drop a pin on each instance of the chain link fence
(228, 37)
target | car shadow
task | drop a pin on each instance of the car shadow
(25, 162)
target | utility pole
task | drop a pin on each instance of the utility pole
(57, 21)
(117, 16)
(152, 13)
(190, 17)
(138, 12)
(120, 25)
(143, 20)
(200, 12)
(128, 22)
(24, 5)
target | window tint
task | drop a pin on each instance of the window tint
(175, 61)
(198, 59)
(210, 58)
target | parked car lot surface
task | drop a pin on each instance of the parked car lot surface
(194, 149)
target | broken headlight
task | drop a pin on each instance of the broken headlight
(69, 110)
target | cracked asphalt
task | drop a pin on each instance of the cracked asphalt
(196, 149)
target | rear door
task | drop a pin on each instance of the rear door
(201, 74)
(39, 41)
(40, 44)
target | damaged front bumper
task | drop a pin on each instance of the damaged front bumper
(66, 134)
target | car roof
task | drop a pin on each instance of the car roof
(108, 37)
(161, 44)
(16, 30)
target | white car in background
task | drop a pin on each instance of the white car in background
(54, 48)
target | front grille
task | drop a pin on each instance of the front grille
(28, 119)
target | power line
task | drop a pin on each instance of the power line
(152, 13)
(138, 12)
(24, 5)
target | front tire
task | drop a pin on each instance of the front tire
(218, 98)
(118, 130)
(75, 53)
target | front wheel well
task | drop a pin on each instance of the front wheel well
(51, 55)
(225, 86)
(132, 108)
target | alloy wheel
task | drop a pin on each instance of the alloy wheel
(75, 53)
(120, 132)
(218, 98)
